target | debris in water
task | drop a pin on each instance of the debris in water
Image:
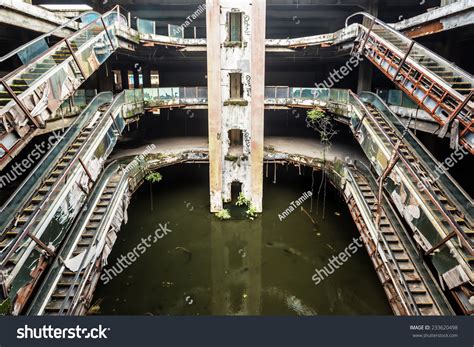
(309, 216)
(291, 251)
(166, 284)
(337, 214)
(189, 300)
(185, 251)
(95, 308)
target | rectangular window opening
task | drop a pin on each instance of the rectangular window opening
(236, 86)
(154, 78)
(235, 26)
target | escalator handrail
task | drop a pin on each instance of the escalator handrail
(445, 214)
(393, 275)
(12, 248)
(48, 34)
(54, 47)
(422, 147)
(428, 52)
(45, 157)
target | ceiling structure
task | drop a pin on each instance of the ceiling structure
(285, 18)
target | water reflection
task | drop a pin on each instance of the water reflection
(238, 267)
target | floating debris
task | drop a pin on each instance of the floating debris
(166, 284)
(309, 216)
(95, 308)
(185, 251)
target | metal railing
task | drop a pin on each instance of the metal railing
(68, 56)
(34, 179)
(48, 34)
(464, 201)
(84, 267)
(418, 180)
(367, 173)
(63, 177)
(427, 52)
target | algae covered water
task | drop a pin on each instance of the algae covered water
(204, 266)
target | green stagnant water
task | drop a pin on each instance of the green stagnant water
(239, 267)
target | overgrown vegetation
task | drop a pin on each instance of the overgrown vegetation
(322, 123)
(223, 214)
(242, 200)
(154, 177)
(5, 307)
(251, 212)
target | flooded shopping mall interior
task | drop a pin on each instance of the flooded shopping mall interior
(250, 157)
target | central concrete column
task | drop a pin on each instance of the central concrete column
(236, 79)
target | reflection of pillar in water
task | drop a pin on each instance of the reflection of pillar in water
(236, 262)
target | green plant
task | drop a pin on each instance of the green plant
(242, 200)
(223, 214)
(322, 124)
(154, 177)
(315, 115)
(251, 212)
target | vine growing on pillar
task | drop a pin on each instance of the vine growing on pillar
(318, 120)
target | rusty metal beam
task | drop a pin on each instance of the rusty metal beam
(403, 60)
(42, 245)
(86, 169)
(19, 103)
(68, 44)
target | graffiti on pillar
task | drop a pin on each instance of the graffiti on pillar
(246, 140)
(246, 24)
(248, 85)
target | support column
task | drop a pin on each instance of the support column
(236, 77)
(136, 79)
(366, 69)
(105, 78)
(124, 76)
(146, 70)
(214, 102)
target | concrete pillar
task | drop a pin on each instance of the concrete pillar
(146, 76)
(236, 75)
(105, 78)
(124, 76)
(136, 80)
(366, 69)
